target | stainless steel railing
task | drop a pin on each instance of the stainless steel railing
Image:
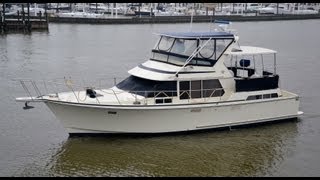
(37, 89)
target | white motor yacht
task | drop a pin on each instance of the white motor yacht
(192, 81)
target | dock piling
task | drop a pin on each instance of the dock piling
(3, 19)
(23, 21)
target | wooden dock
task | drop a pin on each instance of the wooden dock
(20, 25)
(22, 22)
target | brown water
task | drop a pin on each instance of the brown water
(34, 143)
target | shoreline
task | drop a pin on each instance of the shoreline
(179, 19)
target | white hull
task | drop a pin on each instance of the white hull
(162, 119)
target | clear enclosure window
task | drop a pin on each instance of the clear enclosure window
(165, 43)
(184, 47)
(208, 50)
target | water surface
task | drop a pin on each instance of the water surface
(34, 143)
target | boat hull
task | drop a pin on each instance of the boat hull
(89, 119)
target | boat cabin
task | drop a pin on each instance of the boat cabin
(201, 50)
(254, 68)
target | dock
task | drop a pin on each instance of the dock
(23, 22)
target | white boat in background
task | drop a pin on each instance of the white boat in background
(306, 11)
(286, 8)
(80, 11)
(253, 7)
(271, 9)
(98, 7)
(79, 15)
(192, 81)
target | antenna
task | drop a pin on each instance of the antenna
(191, 21)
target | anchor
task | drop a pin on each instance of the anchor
(26, 106)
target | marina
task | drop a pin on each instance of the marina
(35, 143)
(15, 17)
(179, 19)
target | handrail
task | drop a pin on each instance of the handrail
(141, 96)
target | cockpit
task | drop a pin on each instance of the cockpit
(205, 48)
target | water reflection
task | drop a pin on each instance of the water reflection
(242, 152)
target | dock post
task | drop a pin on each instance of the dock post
(1, 21)
(4, 17)
(23, 17)
(3, 12)
(29, 24)
(18, 14)
(45, 12)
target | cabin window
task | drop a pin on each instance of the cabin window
(184, 89)
(212, 88)
(159, 101)
(254, 97)
(200, 89)
(177, 60)
(274, 95)
(161, 57)
(195, 89)
(163, 100)
(264, 96)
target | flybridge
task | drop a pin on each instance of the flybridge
(196, 35)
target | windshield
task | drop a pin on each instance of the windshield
(177, 51)
(146, 87)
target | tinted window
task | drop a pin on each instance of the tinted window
(195, 89)
(266, 96)
(146, 87)
(200, 89)
(184, 89)
(212, 88)
(254, 97)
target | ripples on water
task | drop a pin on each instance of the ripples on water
(34, 143)
(240, 152)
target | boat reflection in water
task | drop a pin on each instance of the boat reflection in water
(255, 151)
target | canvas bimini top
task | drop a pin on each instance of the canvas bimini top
(196, 35)
(251, 50)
